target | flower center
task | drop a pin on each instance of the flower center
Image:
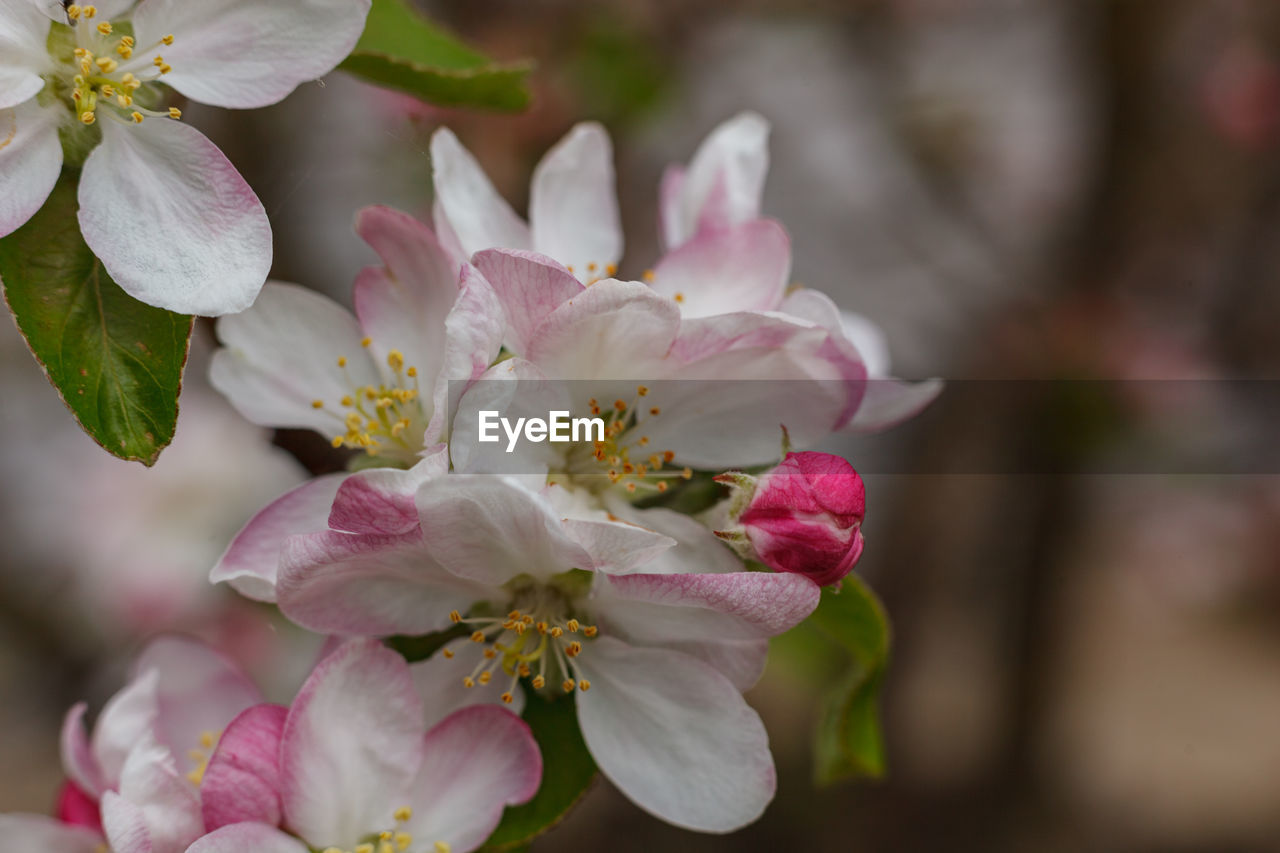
(383, 420)
(107, 70)
(624, 457)
(539, 640)
(394, 840)
(200, 756)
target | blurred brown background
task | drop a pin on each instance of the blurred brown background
(1013, 189)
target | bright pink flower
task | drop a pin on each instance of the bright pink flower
(805, 517)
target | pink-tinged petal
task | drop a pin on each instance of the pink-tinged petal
(282, 355)
(612, 330)
(380, 500)
(30, 160)
(517, 389)
(866, 337)
(76, 808)
(125, 825)
(352, 742)
(725, 179)
(740, 661)
(478, 761)
(402, 305)
(251, 563)
(245, 838)
(248, 838)
(529, 287)
(738, 606)
(37, 832)
(78, 760)
(573, 203)
(165, 800)
(490, 529)
(246, 54)
(438, 680)
(889, 402)
(369, 584)
(473, 330)
(742, 268)
(128, 718)
(675, 736)
(670, 220)
(172, 220)
(479, 217)
(617, 547)
(198, 693)
(446, 235)
(242, 781)
(697, 551)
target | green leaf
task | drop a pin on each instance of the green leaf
(117, 363)
(849, 741)
(402, 50)
(567, 772)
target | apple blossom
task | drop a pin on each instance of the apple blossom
(353, 765)
(656, 642)
(172, 221)
(803, 516)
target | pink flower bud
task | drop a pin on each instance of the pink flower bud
(805, 517)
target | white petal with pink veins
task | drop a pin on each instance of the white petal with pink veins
(246, 53)
(172, 220)
(477, 214)
(352, 742)
(573, 203)
(251, 563)
(282, 354)
(742, 268)
(30, 160)
(675, 736)
(478, 761)
(529, 287)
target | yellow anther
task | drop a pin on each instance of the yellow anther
(411, 372)
(574, 649)
(124, 100)
(567, 685)
(573, 625)
(158, 61)
(477, 637)
(611, 269)
(125, 52)
(104, 28)
(73, 12)
(174, 112)
(448, 653)
(590, 631)
(468, 682)
(620, 405)
(679, 297)
(649, 275)
(486, 677)
(136, 116)
(508, 698)
(395, 359)
(541, 627)
(631, 488)
(403, 840)
(106, 63)
(90, 11)
(88, 117)
(687, 473)
(662, 486)
(207, 739)
(338, 440)
(168, 39)
(642, 390)
(591, 267)
(557, 632)
(455, 616)
(127, 41)
(107, 91)
(342, 361)
(539, 682)
(490, 654)
(569, 268)
(584, 685)
(317, 404)
(166, 68)
(364, 342)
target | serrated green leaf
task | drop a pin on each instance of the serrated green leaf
(402, 50)
(117, 363)
(849, 741)
(567, 773)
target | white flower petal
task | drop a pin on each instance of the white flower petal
(244, 837)
(725, 179)
(352, 742)
(479, 217)
(889, 402)
(37, 832)
(478, 761)
(282, 355)
(172, 220)
(129, 717)
(30, 160)
(24, 29)
(165, 800)
(573, 203)
(697, 550)
(247, 53)
(675, 736)
(742, 268)
(251, 563)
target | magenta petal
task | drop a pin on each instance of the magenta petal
(242, 781)
(76, 808)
